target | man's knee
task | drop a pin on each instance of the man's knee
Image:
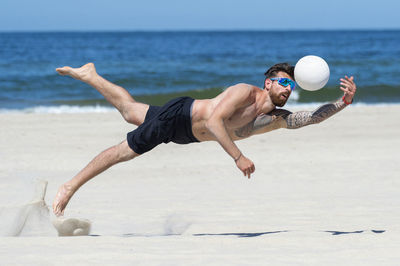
(134, 113)
(129, 117)
(125, 153)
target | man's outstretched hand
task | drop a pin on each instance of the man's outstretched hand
(245, 165)
(348, 86)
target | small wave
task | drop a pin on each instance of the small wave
(61, 109)
(314, 105)
(74, 109)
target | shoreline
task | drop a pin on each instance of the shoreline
(100, 108)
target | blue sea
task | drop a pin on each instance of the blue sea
(156, 66)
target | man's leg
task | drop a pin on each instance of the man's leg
(118, 153)
(132, 111)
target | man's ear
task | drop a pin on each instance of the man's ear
(267, 84)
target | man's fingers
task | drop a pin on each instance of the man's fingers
(247, 167)
(348, 80)
(250, 171)
(350, 86)
(346, 91)
(247, 172)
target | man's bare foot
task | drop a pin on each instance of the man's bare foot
(63, 196)
(84, 73)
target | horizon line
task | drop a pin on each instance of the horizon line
(193, 30)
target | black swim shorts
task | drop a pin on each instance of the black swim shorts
(171, 122)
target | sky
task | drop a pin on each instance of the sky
(131, 15)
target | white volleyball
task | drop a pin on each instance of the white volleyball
(311, 73)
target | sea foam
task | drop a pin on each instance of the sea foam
(74, 109)
(61, 109)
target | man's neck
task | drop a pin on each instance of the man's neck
(264, 102)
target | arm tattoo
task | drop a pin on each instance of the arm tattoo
(279, 118)
(304, 118)
(257, 123)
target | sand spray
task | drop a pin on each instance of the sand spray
(28, 219)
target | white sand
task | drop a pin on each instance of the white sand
(189, 205)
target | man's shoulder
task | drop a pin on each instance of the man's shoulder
(245, 85)
(242, 89)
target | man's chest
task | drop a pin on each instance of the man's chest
(242, 116)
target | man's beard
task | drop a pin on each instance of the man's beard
(276, 99)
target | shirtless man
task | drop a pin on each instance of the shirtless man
(239, 112)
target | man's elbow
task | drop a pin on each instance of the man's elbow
(212, 123)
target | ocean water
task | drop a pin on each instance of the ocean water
(156, 66)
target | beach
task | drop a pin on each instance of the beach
(324, 194)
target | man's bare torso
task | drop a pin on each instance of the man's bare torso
(203, 109)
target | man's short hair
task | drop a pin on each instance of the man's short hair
(281, 67)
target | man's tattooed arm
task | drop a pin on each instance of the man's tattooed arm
(259, 122)
(281, 118)
(263, 123)
(304, 118)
